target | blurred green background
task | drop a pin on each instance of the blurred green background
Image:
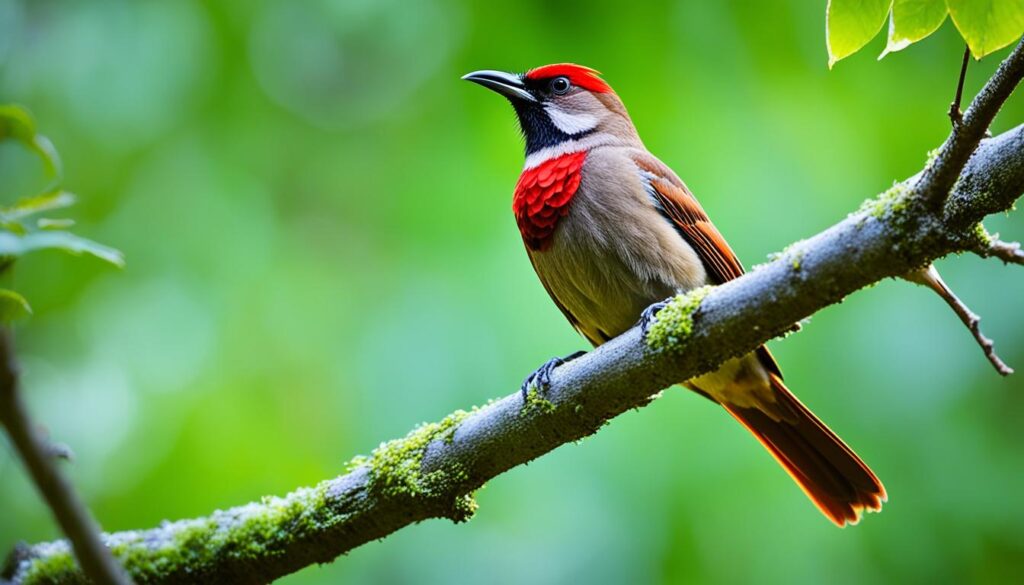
(321, 254)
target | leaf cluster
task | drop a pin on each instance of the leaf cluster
(986, 25)
(27, 225)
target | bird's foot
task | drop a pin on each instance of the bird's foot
(541, 377)
(649, 316)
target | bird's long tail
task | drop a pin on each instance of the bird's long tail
(829, 472)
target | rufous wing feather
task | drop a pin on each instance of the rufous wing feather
(680, 207)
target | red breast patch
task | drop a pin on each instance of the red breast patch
(542, 197)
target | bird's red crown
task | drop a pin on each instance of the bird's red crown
(578, 75)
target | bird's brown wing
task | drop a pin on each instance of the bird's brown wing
(829, 472)
(680, 207)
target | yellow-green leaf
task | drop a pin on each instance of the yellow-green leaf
(46, 223)
(16, 123)
(13, 306)
(913, 20)
(15, 245)
(29, 206)
(987, 25)
(850, 24)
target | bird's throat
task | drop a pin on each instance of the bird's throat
(542, 131)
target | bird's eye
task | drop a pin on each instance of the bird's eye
(560, 85)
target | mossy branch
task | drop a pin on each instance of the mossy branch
(433, 472)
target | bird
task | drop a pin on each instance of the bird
(612, 232)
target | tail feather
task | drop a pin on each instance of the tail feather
(830, 473)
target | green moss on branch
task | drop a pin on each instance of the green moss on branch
(891, 202)
(198, 547)
(981, 237)
(537, 403)
(396, 467)
(674, 322)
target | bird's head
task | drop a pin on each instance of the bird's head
(561, 103)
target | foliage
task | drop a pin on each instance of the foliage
(23, 228)
(986, 25)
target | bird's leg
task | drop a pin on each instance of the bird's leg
(648, 317)
(541, 377)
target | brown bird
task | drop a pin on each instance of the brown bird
(611, 230)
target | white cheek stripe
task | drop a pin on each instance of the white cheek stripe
(585, 143)
(570, 123)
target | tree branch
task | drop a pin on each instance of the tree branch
(38, 456)
(433, 472)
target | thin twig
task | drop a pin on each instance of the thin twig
(1008, 252)
(934, 184)
(38, 455)
(955, 115)
(930, 278)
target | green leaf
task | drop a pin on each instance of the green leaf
(18, 236)
(913, 20)
(13, 306)
(16, 123)
(46, 223)
(850, 24)
(29, 206)
(14, 226)
(17, 245)
(987, 25)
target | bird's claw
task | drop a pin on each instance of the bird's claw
(541, 377)
(649, 316)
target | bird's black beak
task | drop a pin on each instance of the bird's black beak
(507, 84)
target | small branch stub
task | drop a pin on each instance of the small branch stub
(1008, 252)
